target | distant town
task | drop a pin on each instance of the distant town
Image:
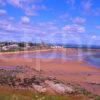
(22, 46)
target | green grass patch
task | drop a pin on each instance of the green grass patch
(11, 94)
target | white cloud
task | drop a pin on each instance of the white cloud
(87, 5)
(16, 3)
(3, 12)
(79, 20)
(94, 37)
(48, 31)
(25, 19)
(30, 7)
(38, 7)
(89, 9)
(74, 28)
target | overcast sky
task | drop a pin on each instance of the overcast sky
(53, 21)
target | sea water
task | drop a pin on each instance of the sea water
(94, 60)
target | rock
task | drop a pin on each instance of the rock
(39, 88)
(59, 87)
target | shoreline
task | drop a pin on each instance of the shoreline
(82, 63)
(48, 64)
(71, 71)
(15, 52)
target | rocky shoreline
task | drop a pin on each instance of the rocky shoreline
(42, 84)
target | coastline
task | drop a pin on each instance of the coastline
(47, 63)
(32, 51)
(72, 71)
(56, 61)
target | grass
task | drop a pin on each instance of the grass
(33, 96)
(97, 98)
(8, 50)
(12, 94)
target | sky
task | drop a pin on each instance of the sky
(50, 21)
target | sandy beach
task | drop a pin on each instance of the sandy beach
(60, 67)
(73, 71)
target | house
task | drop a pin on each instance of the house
(5, 48)
(56, 47)
(10, 47)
